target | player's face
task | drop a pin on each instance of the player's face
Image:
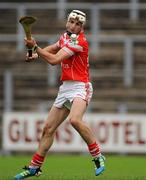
(74, 26)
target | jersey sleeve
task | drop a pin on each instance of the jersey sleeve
(74, 47)
(57, 44)
(71, 47)
(60, 41)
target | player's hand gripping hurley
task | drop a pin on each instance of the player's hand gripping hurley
(26, 23)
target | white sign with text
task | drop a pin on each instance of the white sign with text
(115, 132)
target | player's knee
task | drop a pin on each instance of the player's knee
(75, 122)
(48, 131)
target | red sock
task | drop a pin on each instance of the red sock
(36, 161)
(94, 149)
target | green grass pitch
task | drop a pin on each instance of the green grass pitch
(77, 167)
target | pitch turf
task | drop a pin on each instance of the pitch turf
(77, 167)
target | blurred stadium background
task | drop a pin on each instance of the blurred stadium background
(116, 30)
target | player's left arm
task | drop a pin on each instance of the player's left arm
(53, 48)
(52, 54)
(51, 58)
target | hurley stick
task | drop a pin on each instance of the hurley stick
(26, 23)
